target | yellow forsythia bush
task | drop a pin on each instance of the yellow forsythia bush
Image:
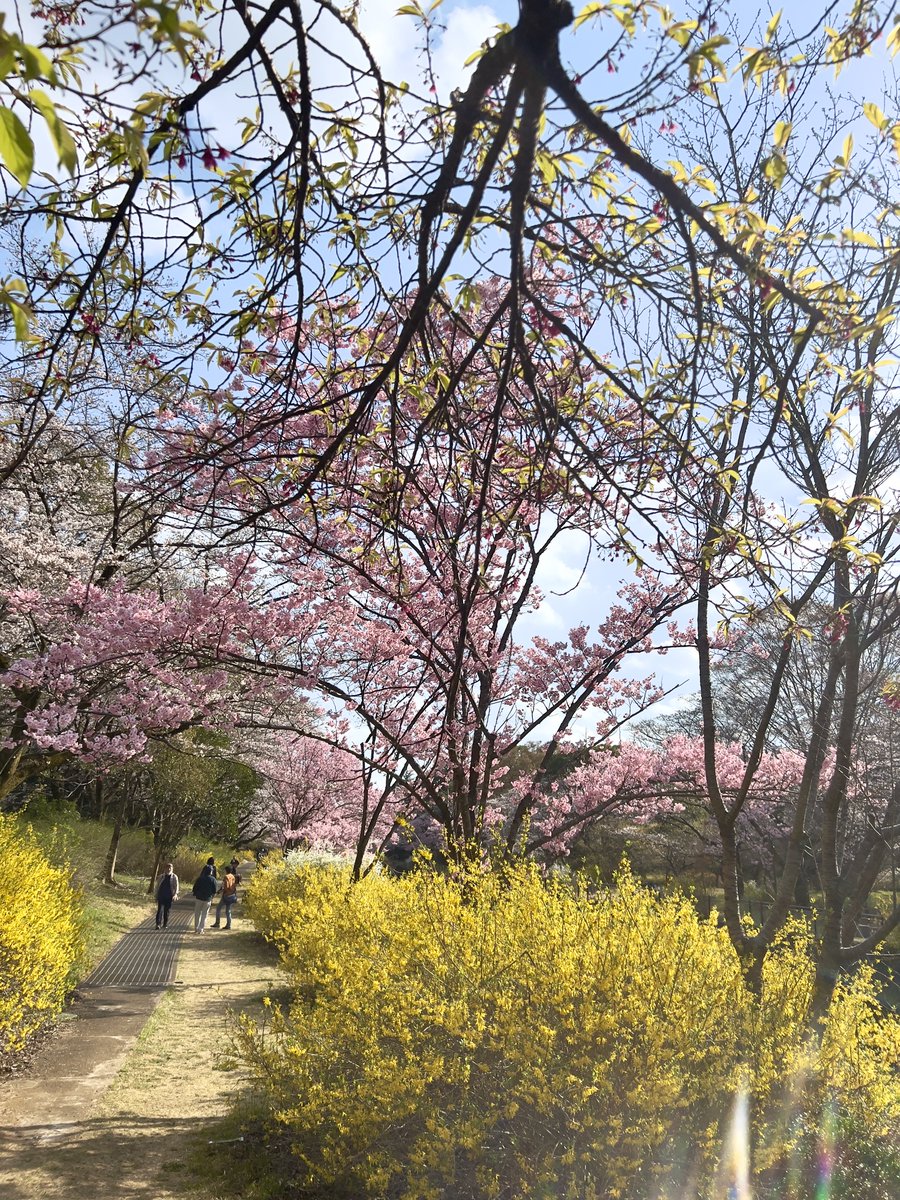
(40, 935)
(507, 1037)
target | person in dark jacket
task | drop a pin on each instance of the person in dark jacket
(166, 895)
(204, 889)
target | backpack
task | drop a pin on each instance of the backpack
(229, 885)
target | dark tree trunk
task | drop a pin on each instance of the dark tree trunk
(109, 870)
(159, 848)
(828, 966)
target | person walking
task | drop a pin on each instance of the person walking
(228, 898)
(204, 889)
(166, 895)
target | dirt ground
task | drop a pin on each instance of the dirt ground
(153, 1133)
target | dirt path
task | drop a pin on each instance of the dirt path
(144, 1135)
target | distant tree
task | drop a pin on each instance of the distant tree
(188, 787)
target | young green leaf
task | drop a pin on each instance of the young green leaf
(63, 143)
(16, 146)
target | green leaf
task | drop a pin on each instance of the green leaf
(20, 320)
(63, 141)
(16, 146)
(782, 133)
(876, 116)
(37, 64)
(861, 238)
(775, 169)
(590, 10)
(682, 32)
(19, 311)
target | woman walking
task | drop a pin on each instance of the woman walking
(229, 896)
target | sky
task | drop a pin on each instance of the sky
(574, 593)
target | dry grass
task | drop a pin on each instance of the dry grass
(149, 1135)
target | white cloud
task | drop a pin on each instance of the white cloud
(546, 620)
(466, 29)
(393, 40)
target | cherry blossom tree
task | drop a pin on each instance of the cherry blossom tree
(319, 795)
(399, 588)
(110, 631)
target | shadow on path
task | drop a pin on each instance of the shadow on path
(120, 1158)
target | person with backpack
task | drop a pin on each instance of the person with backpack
(166, 895)
(204, 889)
(228, 897)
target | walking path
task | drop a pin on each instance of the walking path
(146, 956)
(76, 1067)
(98, 1030)
(125, 1106)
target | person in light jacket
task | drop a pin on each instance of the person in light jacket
(166, 895)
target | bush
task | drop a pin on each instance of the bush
(40, 939)
(187, 865)
(508, 1037)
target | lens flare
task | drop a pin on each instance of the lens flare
(825, 1166)
(736, 1151)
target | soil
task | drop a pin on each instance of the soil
(154, 1130)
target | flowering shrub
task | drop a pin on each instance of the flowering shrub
(40, 938)
(502, 1036)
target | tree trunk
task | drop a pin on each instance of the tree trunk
(159, 848)
(109, 870)
(154, 875)
(753, 974)
(13, 772)
(802, 890)
(828, 967)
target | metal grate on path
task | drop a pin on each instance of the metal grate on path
(145, 957)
